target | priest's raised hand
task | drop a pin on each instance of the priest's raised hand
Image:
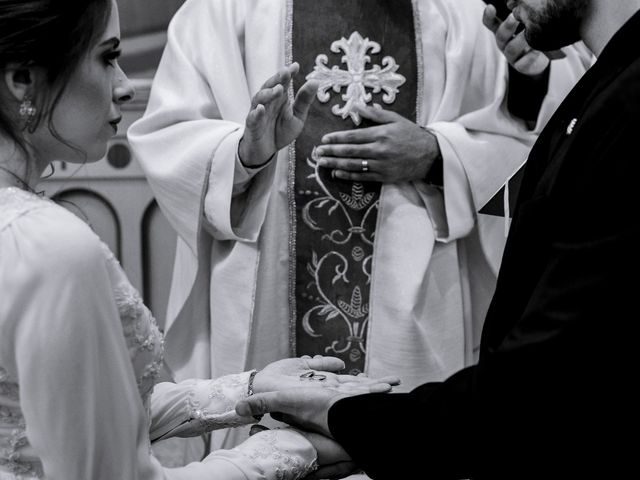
(274, 121)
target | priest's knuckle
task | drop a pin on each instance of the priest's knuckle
(327, 151)
(349, 151)
(340, 164)
(328, 164)
(383, 135)
(380, 148)
(349, 137)
(385, 168)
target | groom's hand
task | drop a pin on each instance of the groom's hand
(306, 408)
(513, 44)
(319, 371)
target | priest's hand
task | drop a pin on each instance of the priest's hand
(315, 372)
(274, 122)
(395, 150)
(513, 45)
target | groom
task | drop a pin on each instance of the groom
(552, 395)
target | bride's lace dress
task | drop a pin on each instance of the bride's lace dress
(80, 355)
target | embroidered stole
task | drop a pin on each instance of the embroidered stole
(362, 52)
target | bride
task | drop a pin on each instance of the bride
(80, 354)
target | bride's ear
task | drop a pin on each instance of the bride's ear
(21, 80)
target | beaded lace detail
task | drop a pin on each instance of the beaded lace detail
(13, 432)
(267, 451)
(15, 202)
(223, 393)
(144, 341)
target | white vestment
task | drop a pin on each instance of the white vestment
(434, 266)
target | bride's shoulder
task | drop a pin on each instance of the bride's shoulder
(44, 235)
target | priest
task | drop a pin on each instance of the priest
(361, 239)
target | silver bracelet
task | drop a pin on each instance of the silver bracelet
(252, 376)
(250, 391)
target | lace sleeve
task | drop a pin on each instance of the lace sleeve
(281, 454)
(193, 407)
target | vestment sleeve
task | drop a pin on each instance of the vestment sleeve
(482, 144)
(188, 139)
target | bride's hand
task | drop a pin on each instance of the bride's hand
(318, 371)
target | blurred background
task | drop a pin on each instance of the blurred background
(144, 26)
(113, 195)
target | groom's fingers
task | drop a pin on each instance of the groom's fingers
(295, 402)
(328, 364)
(490, 18)
(391, 380)
(261, 403)
(363, 388)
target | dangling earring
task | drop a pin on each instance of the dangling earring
(53, 171)
(27, 111)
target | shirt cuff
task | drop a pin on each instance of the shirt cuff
(244, 173)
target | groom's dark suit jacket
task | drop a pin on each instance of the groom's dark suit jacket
(553, 393)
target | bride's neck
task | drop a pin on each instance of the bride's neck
(18, 168)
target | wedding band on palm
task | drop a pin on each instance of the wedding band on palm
(348, 383)
(313, 376)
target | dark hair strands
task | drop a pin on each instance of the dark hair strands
(54, 35)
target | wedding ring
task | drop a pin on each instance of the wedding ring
(365, 166)
(317, 377)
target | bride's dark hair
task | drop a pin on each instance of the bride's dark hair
(50, 34)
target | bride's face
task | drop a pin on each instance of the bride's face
(88, 112)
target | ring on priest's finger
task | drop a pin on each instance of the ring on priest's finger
(307, 375)
(365, 166)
